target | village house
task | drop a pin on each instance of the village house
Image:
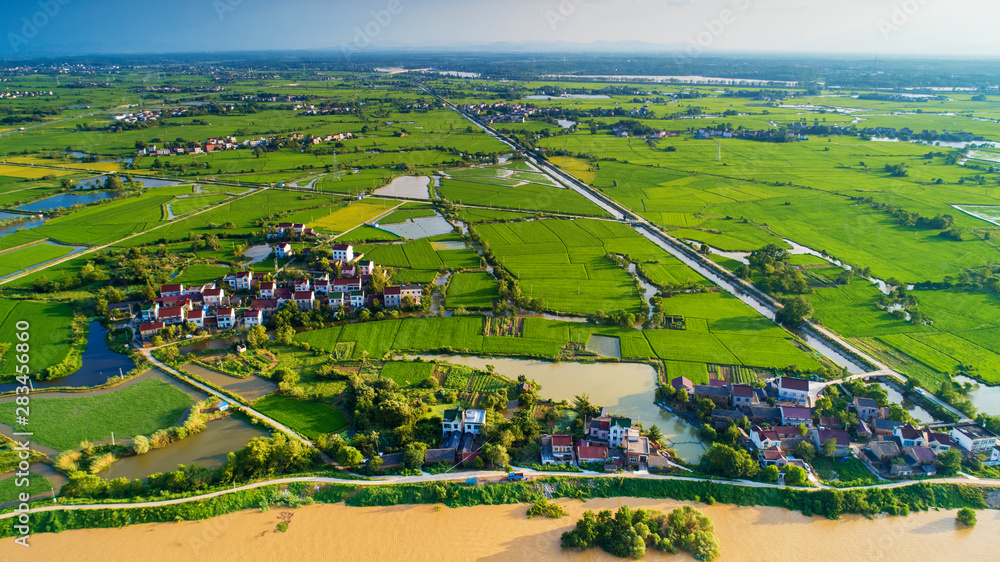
(841, 437)
(973, 438)
(196, 317)
(600, 429)
(266, 307)
(796, 390)
(303, 285)
(267, 289)
(909, 436)
(171, 316)
(638, 451)
(867, 408)
(742, 395)
(213, 297)
(252, 317)
(682, 382)
(322, 286)
(764, 438)
(304, 300)
(619, 431)
(557, 449)
(719, 395)
(225, 318)
(343, 252)
(283, 250)
(722, 419)
(793, 415)
(149, 330)
(171, 290)
(994, 459)
(921, 460)
(770, 415)
(357, 299)
(587, 453)
(241, 281)
(365, 267)
(346, 284)
(463, 421)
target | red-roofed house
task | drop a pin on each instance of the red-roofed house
(171, 316)
(171, 290)
(304, 299)
(343, 252)
(557, 449)
(252, 317)
(792, 415)
(225, 318)
(267, 307)
(196, 316)
(303, 285)
(213, 297)
(742, 395)
(322, 286)
(586, 453)
(267, 290)
(682, 382)
(150, 330)
(347, 284)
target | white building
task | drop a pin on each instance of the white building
(973, 438)
(343, 252)
(793, 389)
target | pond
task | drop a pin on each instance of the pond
(258, 253)
(626, 389)
(608, 346)
(895, 397)
(207, 343)
(99, 364)
(565, 123)
(208, 449)
(448, 245)
(412, 187)
(420, 227)
(985, 398)
(251, 388)
(65, 200)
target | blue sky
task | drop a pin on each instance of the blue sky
(870, 27)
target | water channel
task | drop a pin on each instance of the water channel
(99, 364)
(65, 200)
(626, 389)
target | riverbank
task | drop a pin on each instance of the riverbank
(504, 532)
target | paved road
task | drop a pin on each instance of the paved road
(452, 477)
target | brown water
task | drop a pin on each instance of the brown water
(208, 449)
(251, 388)
(338, 532)
(626, 389)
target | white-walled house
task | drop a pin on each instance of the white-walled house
(213, 297)
(796, 390)
(267, 290)
(252, 317)
(619, 431)
(225, 317)
(974, 438)
(283, 250)
(343, 252)
(196, 317)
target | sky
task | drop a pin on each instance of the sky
(870, 27)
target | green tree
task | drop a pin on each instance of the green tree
(729, 462)
(794, 310)
(350, 457)
(654, 434)
(805, 451)
(966, 516)
(830, 447)
(771, 473)
(951, 462)
(496, 455)
(413, 455)
(795, 476)
(257, 337)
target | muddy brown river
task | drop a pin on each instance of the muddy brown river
(338, 532)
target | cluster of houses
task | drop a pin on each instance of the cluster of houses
(208, 306)
(145, 115)
(609, 440)
(501, 112)
(20, 94)
(779, 412)
(222, 143)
